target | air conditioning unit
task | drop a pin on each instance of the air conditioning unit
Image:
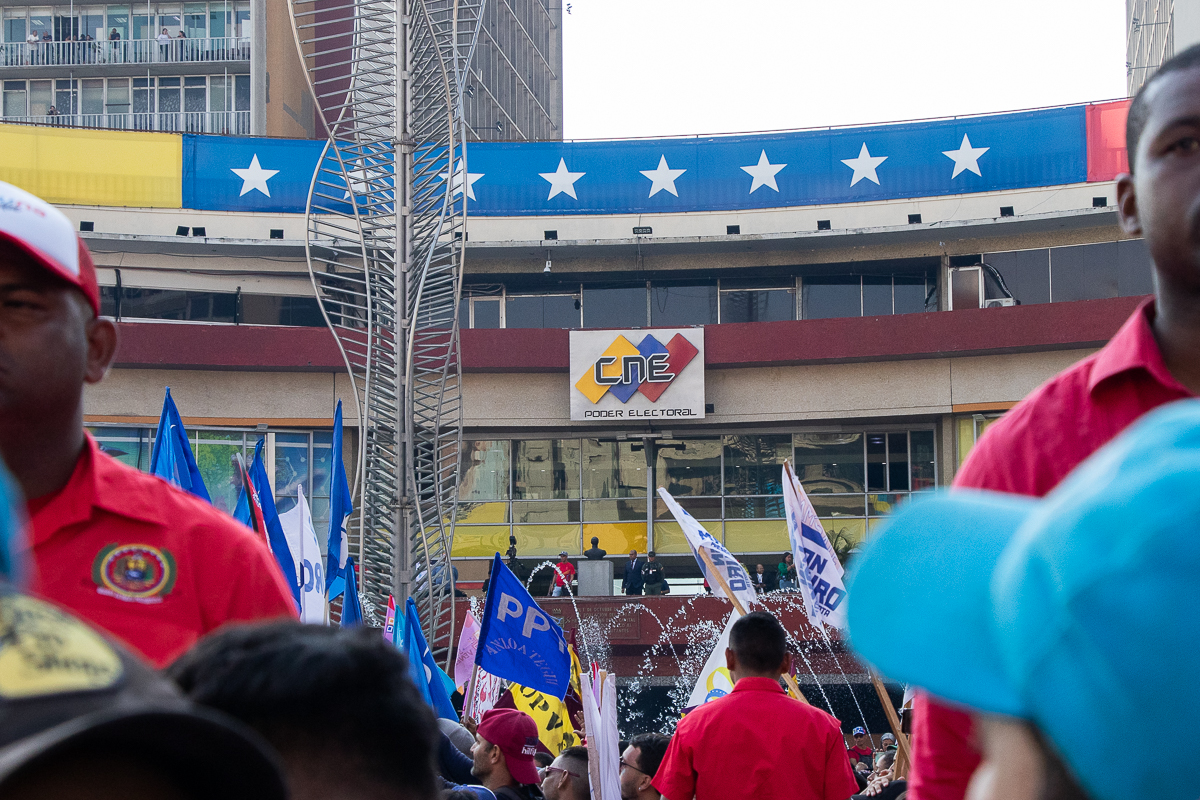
(999, 302)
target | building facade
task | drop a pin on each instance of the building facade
(1155, 30)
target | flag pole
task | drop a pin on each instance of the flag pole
(893, 718)
(469, 700)
(716, 573)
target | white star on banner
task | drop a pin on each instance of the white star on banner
(966, 157)
(357, 180)
(457, 184)
(254, 177)
(864, 166)
(562, 181)
(662, 178)
(763, 173)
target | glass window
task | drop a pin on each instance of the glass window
(91, 23)
(16, 101)
(877, 295)
(617, 537)
(130, 446)
(876, 462)
(91, 99)
(168, 95)
(754, 464)
(924, 472)
(1083, 272)
(613, 469)
(241, 12)
(322, 477)
(698, 507)
(142, 27)
(194, 17)
(969, 430)
(1026, 273)
(757, 536)
(291, 468)
(614, 510)
(41, 23)
(829, 462)
(909, 294)
(194, 100)
(179, 305)
(483, 471)
(215, 451)
(541, 311)
(217, 15)
(545, 511)
(118, 19)
(828, 296)
(14, 25)
(898, 462)
(689, 467)
(614, 308)
(757, 305)
(117, 101)
(169, 18)
(65, 97)
(1135, 272)
(678, 306)
(546, 540)
(218, 97)
(487, 312)
(546, 469)
(241, 93)
(39, 98)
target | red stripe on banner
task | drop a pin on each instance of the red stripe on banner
(1106, 156)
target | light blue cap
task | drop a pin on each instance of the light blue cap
(1079, 612)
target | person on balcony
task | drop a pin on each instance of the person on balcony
(164, 45)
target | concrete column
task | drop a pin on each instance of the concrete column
(258, 67)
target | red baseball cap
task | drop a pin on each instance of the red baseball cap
(516, 734)
(49, 239)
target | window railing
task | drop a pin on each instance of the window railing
(132, 51)
(224, 122)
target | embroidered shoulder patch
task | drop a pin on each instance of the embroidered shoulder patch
(135, 572)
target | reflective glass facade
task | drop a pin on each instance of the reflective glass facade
(556, 494)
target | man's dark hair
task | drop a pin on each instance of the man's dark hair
(576, 752)
(332, 698)
(579, 782)
(651, 749)
(759, 642)
(542, 759)
(1139, 109)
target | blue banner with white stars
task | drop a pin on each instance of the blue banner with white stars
(843, 165)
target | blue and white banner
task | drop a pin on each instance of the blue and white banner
(518, 641)
(638, 176)
(308, 559)
(731, 570)
(817, 566)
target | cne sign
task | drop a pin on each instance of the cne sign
(640, 375)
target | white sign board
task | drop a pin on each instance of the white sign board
(637, 375)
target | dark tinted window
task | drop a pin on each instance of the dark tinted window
(541, 311)
(877, 295)
(683, 305)
(909, 294)
(1083, 272)
(179, 305)
(487, 313)
(1135, 272)
(758, 305)
(832, 296)
(1026, 273)
(614, 308)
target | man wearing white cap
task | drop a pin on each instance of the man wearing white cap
(124, 550)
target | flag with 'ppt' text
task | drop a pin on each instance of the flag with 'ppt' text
(817, 564)
(518, 641)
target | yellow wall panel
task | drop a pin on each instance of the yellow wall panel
(616, 537)
(94, 168)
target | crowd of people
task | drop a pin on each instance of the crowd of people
(1050, 593)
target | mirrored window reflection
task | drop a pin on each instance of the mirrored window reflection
(683, 305)
(623, 307)
(541, 311)
(829, 296)
(291, 468)
(546, 469)
(322, 478)
(924, 473)
(689, 467)
(613, 469)
(483, 471)
(829, 462)
(215, 454)
(876, 462)
(130, 446)
(757, 305)
(1025, 273)
(1083, 272)
(754, 464)
(910, 294)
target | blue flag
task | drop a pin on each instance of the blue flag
(518, 641)
(341, 505)
(275, 535)
(172, 457)
(424, 670)
(352, 616)
(14, 553)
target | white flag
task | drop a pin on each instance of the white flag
(715, 680)
(734, 573)
(309, 558)
(817, 566)
(468, 644)
(600, 720)
(488, 689)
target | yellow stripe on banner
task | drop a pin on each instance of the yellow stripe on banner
(94, 168)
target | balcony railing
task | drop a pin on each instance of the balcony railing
(133, 51)
(225, 122)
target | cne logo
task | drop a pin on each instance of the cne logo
(624, 369)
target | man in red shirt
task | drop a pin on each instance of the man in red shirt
(1153, 359)
(126, 551)
(756, 742)
(564, 573)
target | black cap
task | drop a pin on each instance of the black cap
(66, 690)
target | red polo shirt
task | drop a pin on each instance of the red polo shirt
(1029, 451)
(150, 564)
(756, 743)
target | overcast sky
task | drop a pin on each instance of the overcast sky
(668, 67)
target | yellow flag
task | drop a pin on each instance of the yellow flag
(554, 723)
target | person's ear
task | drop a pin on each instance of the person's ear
(1127, 207)
(730, 659)
(102, 339)
(786, 667)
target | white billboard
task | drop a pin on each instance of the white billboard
(639, 375)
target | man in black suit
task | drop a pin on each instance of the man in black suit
(631, 584)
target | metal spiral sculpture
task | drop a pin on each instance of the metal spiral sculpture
(386, 215)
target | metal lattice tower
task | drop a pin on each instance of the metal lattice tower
(386, 215)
